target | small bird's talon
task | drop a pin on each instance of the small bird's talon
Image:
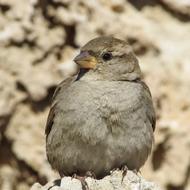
(84, 185)
(82, 180)
(124, 173)
(74, 176)
(135, 171)
(91, 174)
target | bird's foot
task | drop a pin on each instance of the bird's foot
(74, 176)
(82, 180)
(124, 173)
(91, 174)
(137, 172)
(61, 174)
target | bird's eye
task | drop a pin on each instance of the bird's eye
(107, 56)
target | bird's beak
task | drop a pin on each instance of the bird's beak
(85, 60)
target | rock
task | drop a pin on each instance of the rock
(114, 181)
(9, 95)
(7, 177)
(67, 66)
(31, 132)
(182, 6)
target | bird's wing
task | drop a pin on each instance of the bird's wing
(62, 86)
(150, 112)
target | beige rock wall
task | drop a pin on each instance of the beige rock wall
(39, 38)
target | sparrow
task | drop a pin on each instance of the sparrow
(102, 118)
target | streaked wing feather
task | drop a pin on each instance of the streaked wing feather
(63, 85)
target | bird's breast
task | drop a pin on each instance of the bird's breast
(97, 108)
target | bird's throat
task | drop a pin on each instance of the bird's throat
(81, 73)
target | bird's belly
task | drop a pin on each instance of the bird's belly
(78, 157)
(73, 154)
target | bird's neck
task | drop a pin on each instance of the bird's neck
(88, 75)
(81, 73)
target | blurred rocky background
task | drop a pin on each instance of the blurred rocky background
(39, 38)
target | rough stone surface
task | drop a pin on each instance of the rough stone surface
(182, 7)
(38, 40)
(112, 182)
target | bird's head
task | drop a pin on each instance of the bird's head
(108, 58)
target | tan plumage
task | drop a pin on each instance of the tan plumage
(103, 118)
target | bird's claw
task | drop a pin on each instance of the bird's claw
(82, 180)
(91, 174)
(124, 173)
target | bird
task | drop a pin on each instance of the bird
(103, 117)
